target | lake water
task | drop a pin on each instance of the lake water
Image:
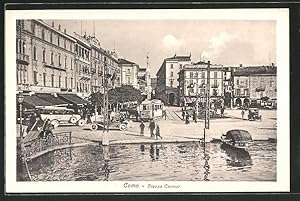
(158, 162)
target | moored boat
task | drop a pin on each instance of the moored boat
(237, 137)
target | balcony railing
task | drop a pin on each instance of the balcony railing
(23, 58)
(54, 67)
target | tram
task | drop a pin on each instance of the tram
(151, 109)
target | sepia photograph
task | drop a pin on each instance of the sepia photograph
(147, 101)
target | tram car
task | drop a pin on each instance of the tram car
(151, 109)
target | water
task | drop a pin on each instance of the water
(158, 162)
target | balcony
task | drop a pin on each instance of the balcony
(23, 58)
(54, 67)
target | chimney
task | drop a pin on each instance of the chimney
(241, 65)
(59, 27)
(65, 31)
(52, 23)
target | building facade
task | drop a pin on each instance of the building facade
(45, 58)
(193, 81)
(129, 73)
(254, 84)
(49, 60)
(167, 78)
(83, 66)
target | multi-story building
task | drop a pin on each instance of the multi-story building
(45, 58)
(253, 83)
(129, 73)
(167, 75)
(92, 61)
(101, 59)
(193, 81)
(83, 65)
(49, 60)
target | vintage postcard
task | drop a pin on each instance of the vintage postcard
(147, 100)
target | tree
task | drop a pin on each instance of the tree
(96, 98)
(125, 93)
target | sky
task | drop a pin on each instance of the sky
(230, 42)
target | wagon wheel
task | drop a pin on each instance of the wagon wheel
(122, 127)
(94, 127)
(81, 122)
(73, 120)
(55, 123)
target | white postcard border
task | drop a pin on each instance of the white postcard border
(281, 15)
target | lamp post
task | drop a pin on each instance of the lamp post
(20, 99)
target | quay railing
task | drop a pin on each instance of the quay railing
(41, 144)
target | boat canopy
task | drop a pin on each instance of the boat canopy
(238, 135)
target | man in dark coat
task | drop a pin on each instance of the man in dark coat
(194, 116)
(151, 127)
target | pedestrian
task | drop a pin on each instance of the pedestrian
(243, 113)
(157, 132)
(222, 111)
(183, 115)
(151, 127)
(187, 116)
(142, 126)
(194, 116)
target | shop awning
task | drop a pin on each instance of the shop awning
(34, 101)
(54, 100)
(73, 99)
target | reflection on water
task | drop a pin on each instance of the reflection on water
(158, 162)
(154, 152)
(237, 157)
(206, 160)
(105, 167)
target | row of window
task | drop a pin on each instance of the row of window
(83, 87)
(202, 75)
(82, 52)
(21, 47)
(244, 82)
(213, 83)
(54, 83)
(202, 91)
(49, 36)
(52, 58)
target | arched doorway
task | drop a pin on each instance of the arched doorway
(238, 102)
(246, 102)
(171, 98)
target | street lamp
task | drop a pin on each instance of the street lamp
(20, 99)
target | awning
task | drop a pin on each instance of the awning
(54, 100)
(73, 99)
(34, 101)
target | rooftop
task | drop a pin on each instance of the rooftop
(124, 61)
(251, 70)
(181, 57)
